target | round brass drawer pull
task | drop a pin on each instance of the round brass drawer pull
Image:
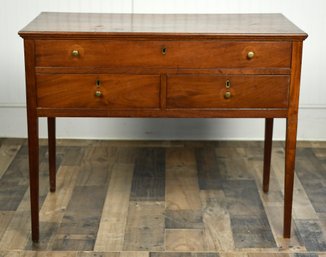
(227, 95)
(250, 55)
(98, 93)
(75, 53)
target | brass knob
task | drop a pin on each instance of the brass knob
(98, 93)
(164, 50)
(227, 95)
(75, 53)
(250, 54)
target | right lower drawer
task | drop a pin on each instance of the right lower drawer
(222, 91)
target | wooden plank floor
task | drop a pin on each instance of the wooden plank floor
(162, 199)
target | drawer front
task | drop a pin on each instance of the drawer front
(166, 54)
(98, 91)
(209, 91)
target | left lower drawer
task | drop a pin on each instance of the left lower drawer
(112, 91)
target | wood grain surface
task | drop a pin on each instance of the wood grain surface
(137, 25)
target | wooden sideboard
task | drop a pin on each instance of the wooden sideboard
(172, 65)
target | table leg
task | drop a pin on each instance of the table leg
(267, 152)
(52, 153)
(290, 149)
(33, 156)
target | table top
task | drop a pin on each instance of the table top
(54, 24)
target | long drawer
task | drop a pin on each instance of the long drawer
(237, 91)
(113, 91)
(167, 54)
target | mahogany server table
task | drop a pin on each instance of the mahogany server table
(171, 65)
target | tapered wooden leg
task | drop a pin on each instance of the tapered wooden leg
(290, 149)
(267, 152)
(52, 153)
(33, 155)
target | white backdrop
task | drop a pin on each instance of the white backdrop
(308, 15)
